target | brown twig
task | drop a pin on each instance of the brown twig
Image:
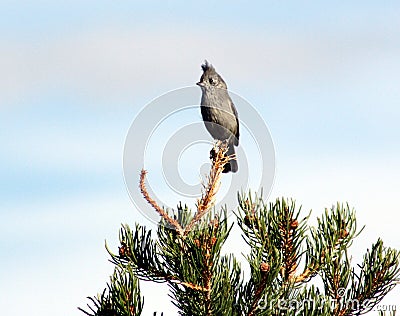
(211, 188)
(195, 287)
(174, 279)
(154, 204)
(289, 252)
(308, 272)
(264, 269)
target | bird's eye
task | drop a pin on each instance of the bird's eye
(211, 81)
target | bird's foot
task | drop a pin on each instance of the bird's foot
(213, 154)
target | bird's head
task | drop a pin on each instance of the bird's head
(210, 78)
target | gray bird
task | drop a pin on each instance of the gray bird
(218, 111)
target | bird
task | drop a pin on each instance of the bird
(219, 113)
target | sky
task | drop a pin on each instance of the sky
(74, 75)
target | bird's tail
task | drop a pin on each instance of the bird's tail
(232, 165)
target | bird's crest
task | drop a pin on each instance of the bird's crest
(207, 66)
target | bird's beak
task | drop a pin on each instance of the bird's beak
(201, 84)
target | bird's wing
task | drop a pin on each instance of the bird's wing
(237, 123)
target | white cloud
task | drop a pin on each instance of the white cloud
(114, 62)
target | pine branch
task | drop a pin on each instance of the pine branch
(207, 199)
(292, 234)
(328, 251)
(200, 264)
(157, 208)
(378, 275)
(138, 252)
(120, 298)
(259, 290)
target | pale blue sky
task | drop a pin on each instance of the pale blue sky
(325, 77)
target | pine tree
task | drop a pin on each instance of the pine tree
(286, 257)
